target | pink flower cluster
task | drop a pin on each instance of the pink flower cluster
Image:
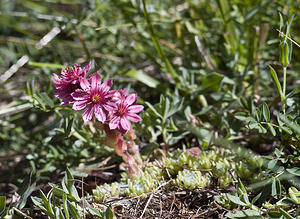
(112, 107)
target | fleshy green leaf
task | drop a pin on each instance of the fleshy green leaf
(153, 110)
(295, 171)
(272, 164)
(276, 82)
(266, 112)
(243, 116)
(249, 213)
(109, 214)
(47, 204)
(277, 153)
(286, 202)
(235, 200)
(273, 187)
(212, 82)
(286, 214)
(65, 204)
(47, 99)
(39, 203)
(95, 212)
(261, 129)
(74, 193)
(242, 187)
(290, 123)
(244, 102)
(271, 128)
(73, 209)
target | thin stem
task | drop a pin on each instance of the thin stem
(22, 213)
(85, 48)
(283, 90)
(284, 82)
(272, 124)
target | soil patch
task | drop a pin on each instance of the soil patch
(170, 203)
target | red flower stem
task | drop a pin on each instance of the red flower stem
(128, 151)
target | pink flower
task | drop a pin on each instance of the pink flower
(65, 94)
(70, 75)
(94, 98)
(118, 96)
(68, 82)
(127, 110)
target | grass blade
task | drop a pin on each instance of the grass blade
(158, 48)
(46, 65)
(2, 204)
(143, 77)
(231, 35)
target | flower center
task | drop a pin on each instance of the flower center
(122, 110)
(95, 98)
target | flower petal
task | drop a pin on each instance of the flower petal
(85, 85)
(88, 113)
(114, 95)
(123, 91)
(109, 106)
(100, 114)
(65, 95)
(135, 108)
(76, 70)
(114, 123)
(57, 82)
(66, 100)
(110, 94)
(105, 87)
(95, 81)
(86, 69)
(61, 93)
(130, 99)
(125, 124)
(79, 105)
(133, 117)
(79, 95)
(56, 77)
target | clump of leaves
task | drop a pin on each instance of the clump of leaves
(64, 202)
(277, 194)
(257, 206)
